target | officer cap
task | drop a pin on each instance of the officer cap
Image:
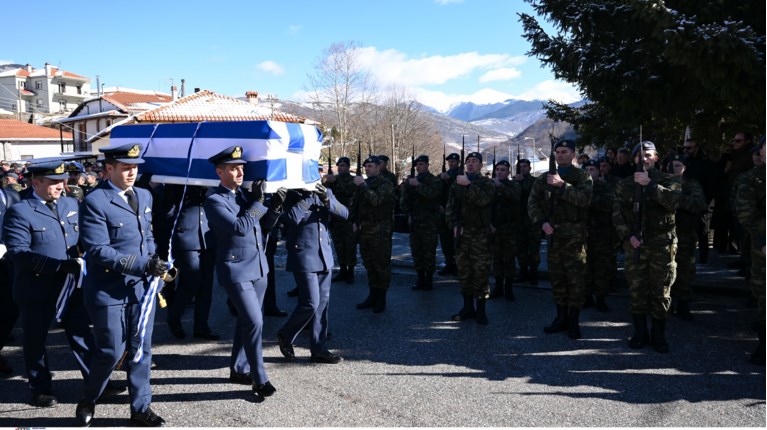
(681, 158)
(422, 159)
(476, 155)
(375, 159)
(383, 158)
(50, 169)
(129, 153)
(453, 156)
(591, 163)
(566, 143)
(503, 163)
(230, 155)
(75, 166)
(643, 146)
(343, 160)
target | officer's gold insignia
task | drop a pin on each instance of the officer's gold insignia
(133, 152)
(59, 170)
(237, 153)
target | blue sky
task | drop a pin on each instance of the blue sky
(443, 51)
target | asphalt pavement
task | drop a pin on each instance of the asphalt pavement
(411, 366)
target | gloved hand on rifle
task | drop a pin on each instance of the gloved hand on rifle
(257, 191)
(322, 193)
(69, 266)
(156, 266)
(278, 198)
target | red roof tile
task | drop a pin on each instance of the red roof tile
(14, 129)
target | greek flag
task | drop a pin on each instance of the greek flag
(284, 154)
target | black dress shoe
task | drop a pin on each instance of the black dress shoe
(240, 378)
(43, 400)
(286, 348)
(114, 388)
(207, 335)
(264, 390)
(275, 312)
(326, 357)
(146, 419)
(84, 413)
(176, 329)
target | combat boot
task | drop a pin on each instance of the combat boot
(523, 276)
(683, 310)
(350, 275)
(498, 289)
(602, 304)
(757, 357)
(467, 312)
(428, 281)
(658, 337)
(380, 300)
(560, 321)
(370, 301)
(573, 323)
(640, 338)
(340, 276)
(450, 267)
(419, 282)
(533, 276)
(481, 315)
(507, 291)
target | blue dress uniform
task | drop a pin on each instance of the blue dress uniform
(119, 245)
(310, 258)
(42, 246)
(241, 267)
(193, 247)
(8, 310)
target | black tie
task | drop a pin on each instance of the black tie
(52, 206)
(131, 200)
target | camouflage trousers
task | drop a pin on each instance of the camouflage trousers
(529, 245)
(375, 249)
(600, 262)
(650, 280)
(504, 254)
(473, 260)
(685, 268)
(446, 239)
(757, 278)
(344, 242)
(423, 244)
(567, 263)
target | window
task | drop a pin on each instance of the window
(39, 103)
(38, 85)
(63, 105)
(62, 87)
(79, 89)
(23, 85)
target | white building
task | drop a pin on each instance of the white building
(22, 141)
(26, 90)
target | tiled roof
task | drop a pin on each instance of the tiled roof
(26, 92)
(57, 72)
(14, 129)
(15, 72)
(209, 106)
(136, 102)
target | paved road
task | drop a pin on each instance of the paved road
(412, 366)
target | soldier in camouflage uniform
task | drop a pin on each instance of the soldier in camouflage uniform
(372, 216)
(505, 217)
(651, 275)
(344, 241)
(751, 214)
(468, 212)
(529, 235)
(600, 245)
(420, 202)
(692, 204)
(559, 203)
(445, 233)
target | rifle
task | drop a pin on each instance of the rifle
(493, 174)
(357, 194)
(444, 169)
(330, 159)
(517, 169)
(412, 175)
(457, 237)
(552, 198)
(638, 203)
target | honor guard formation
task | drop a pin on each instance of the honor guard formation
(97, 248)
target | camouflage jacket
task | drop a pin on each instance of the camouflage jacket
(391, 177)
(376, 200)
(422, 202)
(446, 185)
(506, 203)
(692, 204)
(470, 207)
(751, 204)
(526, 187)
(343, 188)
(661, 200)
(571, 202)
(601, 207)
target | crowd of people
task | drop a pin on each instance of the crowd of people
(141, 242)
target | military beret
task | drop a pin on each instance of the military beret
(12, 175)
(681, 158)
(604, 159)
(422, 159)
(591, 163)
(129, 153)
(383, 158)
(50, 169)
(230, 155)
(343, 160)
(375, 159)
(566, 143)
(523, 160)
(475, 154)
(643, 146)
(453, 156)
(503, 163)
